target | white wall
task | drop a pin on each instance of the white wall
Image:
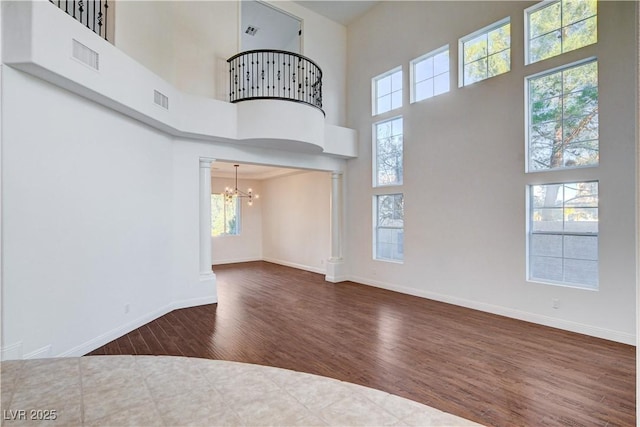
(247, 246)
(87, 215)
(464, 169)
(295, 220)
(185, 42)
(188, 42)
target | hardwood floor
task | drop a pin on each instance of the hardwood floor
(490, 369)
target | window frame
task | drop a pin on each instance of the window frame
(374, 156)
(238, 212)
(462, 40)
(527, 40)
(374, 90)
(376, 227)
(527, 114)
(412, 73)
(563, 233)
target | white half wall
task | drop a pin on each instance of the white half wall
(295, 220)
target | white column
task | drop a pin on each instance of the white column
(336, 216)
(205, 219)
(336, 263)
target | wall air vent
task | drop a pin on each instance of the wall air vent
(85, 55)
(251, 30)
(161, 99)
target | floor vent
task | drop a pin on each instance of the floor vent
(86, 55)
(161, 99)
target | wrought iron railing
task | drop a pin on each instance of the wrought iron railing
(274, 74)
(94, 14)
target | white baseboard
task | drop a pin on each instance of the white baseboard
(115, 333)
(11, 351)
(295, 265)
(40, 353)
(594, 331)
(235, 260)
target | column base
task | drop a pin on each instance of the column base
(335, 271)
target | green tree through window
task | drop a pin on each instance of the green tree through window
(561, 26)
(563, 118)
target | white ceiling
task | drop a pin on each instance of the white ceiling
(341, 11)
(247, 171)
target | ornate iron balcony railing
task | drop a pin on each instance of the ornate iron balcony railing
(93, 14)
(274, 74)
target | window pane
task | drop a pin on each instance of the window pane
(441, 84)
(389, 233)
(577, 10)
(384, 86)
(396, 100)
(390, 210)
(582, 33)
(547, 196)
(475, 48)
(499, 63)
(424, 90)
(475, 71)
(547, 220)
(424, 69)
(581, 272)
(441, 63)
(544, 20)
(396, 81)
(547, 111)
(396, 127)
(545, 46)
(389, 156)
(545, 87)
(499, 39)
(581, 78)
(546, 268)
(384, 104)
(546, 245)
(581, 247)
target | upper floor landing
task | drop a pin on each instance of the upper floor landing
(41, 39)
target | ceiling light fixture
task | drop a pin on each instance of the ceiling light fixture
(230, 193)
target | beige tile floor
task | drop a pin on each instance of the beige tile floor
(162, 390)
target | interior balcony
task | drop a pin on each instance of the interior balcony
(274, 99)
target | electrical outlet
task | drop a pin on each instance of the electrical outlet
(555, 303)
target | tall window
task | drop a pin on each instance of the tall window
(225, 215)
(563, 234)
(389, 227)
(560, 26)
(430, 74)
(388, 152)
(387, 91)
(563, 118)
(485, 53)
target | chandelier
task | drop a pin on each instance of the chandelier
(230, 193)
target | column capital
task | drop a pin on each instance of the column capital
(205, 162)
(336, 174)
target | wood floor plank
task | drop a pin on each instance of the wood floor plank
(491, 369)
